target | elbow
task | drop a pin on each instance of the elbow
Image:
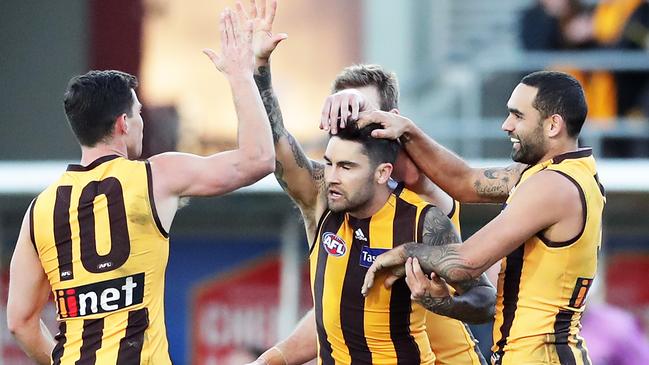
(258, 167)
(487, 310)
(15, 324)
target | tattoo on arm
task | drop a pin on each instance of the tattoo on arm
(475, 302)
(496, 183)
(438, 229)
(265, 86)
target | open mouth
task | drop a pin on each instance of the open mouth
(334, 194)
(515, 141)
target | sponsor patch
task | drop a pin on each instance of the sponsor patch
(368, 255)
(101, 297)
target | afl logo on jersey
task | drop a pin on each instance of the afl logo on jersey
(334, 245)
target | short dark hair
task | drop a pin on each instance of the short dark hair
(559, 93)
(93, 101)
(379, 150)
(371, 75)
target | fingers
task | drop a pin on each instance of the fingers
(324, 115)
(272, 9)
(417, 271)
(261, 10)
(235, 27)
(253, 9)
(224, 30)
(241, 11)
(365, 119)
(333, 115)
(369, 279)
(344, 112)
(356, 106)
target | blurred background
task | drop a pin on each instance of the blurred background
(237, 279)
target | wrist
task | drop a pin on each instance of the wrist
(409, 132)
(273, 356)
(261, 61)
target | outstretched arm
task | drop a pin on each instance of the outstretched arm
(475, 299)
(28, 294)
(300, 177)
(179, 174)
(443, 167)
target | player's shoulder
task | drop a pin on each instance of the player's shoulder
(550, 185)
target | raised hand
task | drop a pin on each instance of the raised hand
(336, 109)
(236, 56)
(262, 16)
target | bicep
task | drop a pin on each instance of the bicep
(438, 228)
(28, 285)
(536, 206)
(183, 174)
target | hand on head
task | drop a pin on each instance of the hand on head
(341, 107)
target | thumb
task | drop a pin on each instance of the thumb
(390, 280)
(212, 55)
(437, 279)
(379, 133)
(278, 38)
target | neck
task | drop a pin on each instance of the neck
(378, 200)
(89, 154)
(565, 147)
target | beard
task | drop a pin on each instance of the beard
(351, 202)
(531, 148)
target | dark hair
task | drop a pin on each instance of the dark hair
(559, 93)
(371, 75)
(93, 101)
(379, 150)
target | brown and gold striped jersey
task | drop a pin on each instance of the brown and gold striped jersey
(104, 252)
(542, 285)
(386, 327)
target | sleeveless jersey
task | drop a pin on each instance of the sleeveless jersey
(542, 285)
(451, 340)
(104, 252)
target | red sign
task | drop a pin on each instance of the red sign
(236, 310)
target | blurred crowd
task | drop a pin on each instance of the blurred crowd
(575, 25)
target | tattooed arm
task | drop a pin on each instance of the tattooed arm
(443, 167)
(554, 203)
(474, 301)
(299, 176)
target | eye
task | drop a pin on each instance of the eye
(328, 163)
(346, 167)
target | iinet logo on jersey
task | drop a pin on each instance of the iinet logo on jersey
(101, 297)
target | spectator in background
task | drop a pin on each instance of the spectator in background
(554, 25)
(614, 335)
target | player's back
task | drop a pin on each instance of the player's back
(104, 252)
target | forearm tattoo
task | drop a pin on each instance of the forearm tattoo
(264, 84)
(496, 182)
(438, 253)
